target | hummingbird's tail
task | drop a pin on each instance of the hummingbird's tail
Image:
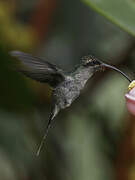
(115, 69)
(54, 112)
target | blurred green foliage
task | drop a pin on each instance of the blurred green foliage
(14, 33)
(14, 92)
(121, 12)
(83, 143)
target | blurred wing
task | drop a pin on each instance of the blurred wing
(38, 69)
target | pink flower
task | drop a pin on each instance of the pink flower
(130, 100)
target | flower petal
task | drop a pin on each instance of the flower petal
(130, 101)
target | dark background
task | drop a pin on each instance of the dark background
(86, 138)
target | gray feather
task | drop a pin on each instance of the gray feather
(39, 69)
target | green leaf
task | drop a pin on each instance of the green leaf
(120, 12)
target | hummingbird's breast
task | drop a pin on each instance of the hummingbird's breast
(82, 75)
(66, 92)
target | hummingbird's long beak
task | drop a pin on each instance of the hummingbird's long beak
(115, 69)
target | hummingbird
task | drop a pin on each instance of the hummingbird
(66, 86)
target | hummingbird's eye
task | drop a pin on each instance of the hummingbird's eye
(90, 61)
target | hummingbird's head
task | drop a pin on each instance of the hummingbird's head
(91, 61)
(97, 65)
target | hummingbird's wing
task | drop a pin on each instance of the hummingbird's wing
(39, 69)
